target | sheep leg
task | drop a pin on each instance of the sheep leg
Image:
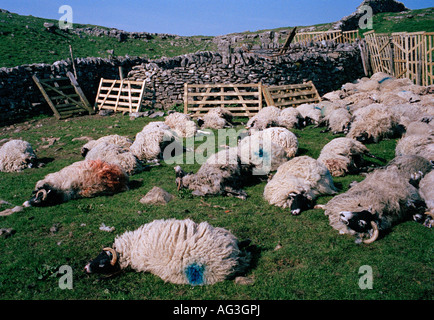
(241, 194)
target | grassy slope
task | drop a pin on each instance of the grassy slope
(23, 39)
(315, 262)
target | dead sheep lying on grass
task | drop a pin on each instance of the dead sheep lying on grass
(216, 118)
(266, 117)
(182, 124)
(373, 206)
(297, 183)
(16, 155)
(82, 179)
(116, 139)
(412, 167)
(221, 174)
(416, 144)
(151, 142)
(177, 251)
(344, 156)
(426, 190)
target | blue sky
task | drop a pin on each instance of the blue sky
(196, 17)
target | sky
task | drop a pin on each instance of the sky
(195, 17)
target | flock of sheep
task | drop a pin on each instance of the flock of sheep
(181, 251)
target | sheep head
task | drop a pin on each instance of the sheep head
(45, 196)
(106, 262)
(361, 222)
(298, 202)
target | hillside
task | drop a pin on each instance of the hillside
(25, 40)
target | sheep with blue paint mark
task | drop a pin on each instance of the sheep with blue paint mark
(177, 251)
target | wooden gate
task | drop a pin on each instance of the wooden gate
(120, 95)
(63, 95)
(243, 100)
(291, 95)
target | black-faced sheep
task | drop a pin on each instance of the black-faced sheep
(82, 179)
(297, 183)
(344, 156)
(290, 118)
(16, 155)
(383, 199)
(311, 113)
(221, 174)
(177, 251)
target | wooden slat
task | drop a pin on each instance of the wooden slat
(45, 95)
(124, 93)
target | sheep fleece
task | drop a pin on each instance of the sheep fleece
(167, 248)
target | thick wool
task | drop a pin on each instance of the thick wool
(420, 145)
(116, 139)
(217, 118)
(373, 122)
(85, 179)
(311, 113)
(411, 167)
(290, 118)
(261, 153)
(266, 117)
(115, 154)
(16, 155)
(342, 156)
(182, 252)
(426, 190)
(182, 124)
(384, 192)
(338, 120)
(221, 174)
(302, 175)
(281, 137)
(150, 143)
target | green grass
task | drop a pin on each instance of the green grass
(315, 262)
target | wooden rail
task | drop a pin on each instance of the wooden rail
(291, 95)
(120, 95)
(338, 36)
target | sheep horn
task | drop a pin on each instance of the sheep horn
(114, 255)
(375, 233)
(44, 194)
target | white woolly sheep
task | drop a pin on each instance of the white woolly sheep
(426, 190)
(116, 154)
(282, 137)
(16, 155)
(343, 156)
(383, 199)
(217, 118)
(297, 183)
(151, 142)
(373, 123)
(265, 118)
(82, 179)
(411, 167)
(338, 121)
(177, 251)
(263, 154)
(182, 124)
(421, 145)
(221, 174)
(311, 113)
(121, 141)
(290, 118)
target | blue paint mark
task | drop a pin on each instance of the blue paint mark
(384, 79)
(195, 273)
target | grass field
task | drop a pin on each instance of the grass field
(314, 261)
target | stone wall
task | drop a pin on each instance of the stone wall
(327, 65)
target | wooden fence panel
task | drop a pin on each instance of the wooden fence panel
(291, 95)
(120, 95)
(243, 100)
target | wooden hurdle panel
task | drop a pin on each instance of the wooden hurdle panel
(291, 95)
(243, 100)
(63, 95)
(120, 95)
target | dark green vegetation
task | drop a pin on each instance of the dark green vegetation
(314, 261)
(24, 39)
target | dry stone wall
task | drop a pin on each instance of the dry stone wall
(328, 65)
